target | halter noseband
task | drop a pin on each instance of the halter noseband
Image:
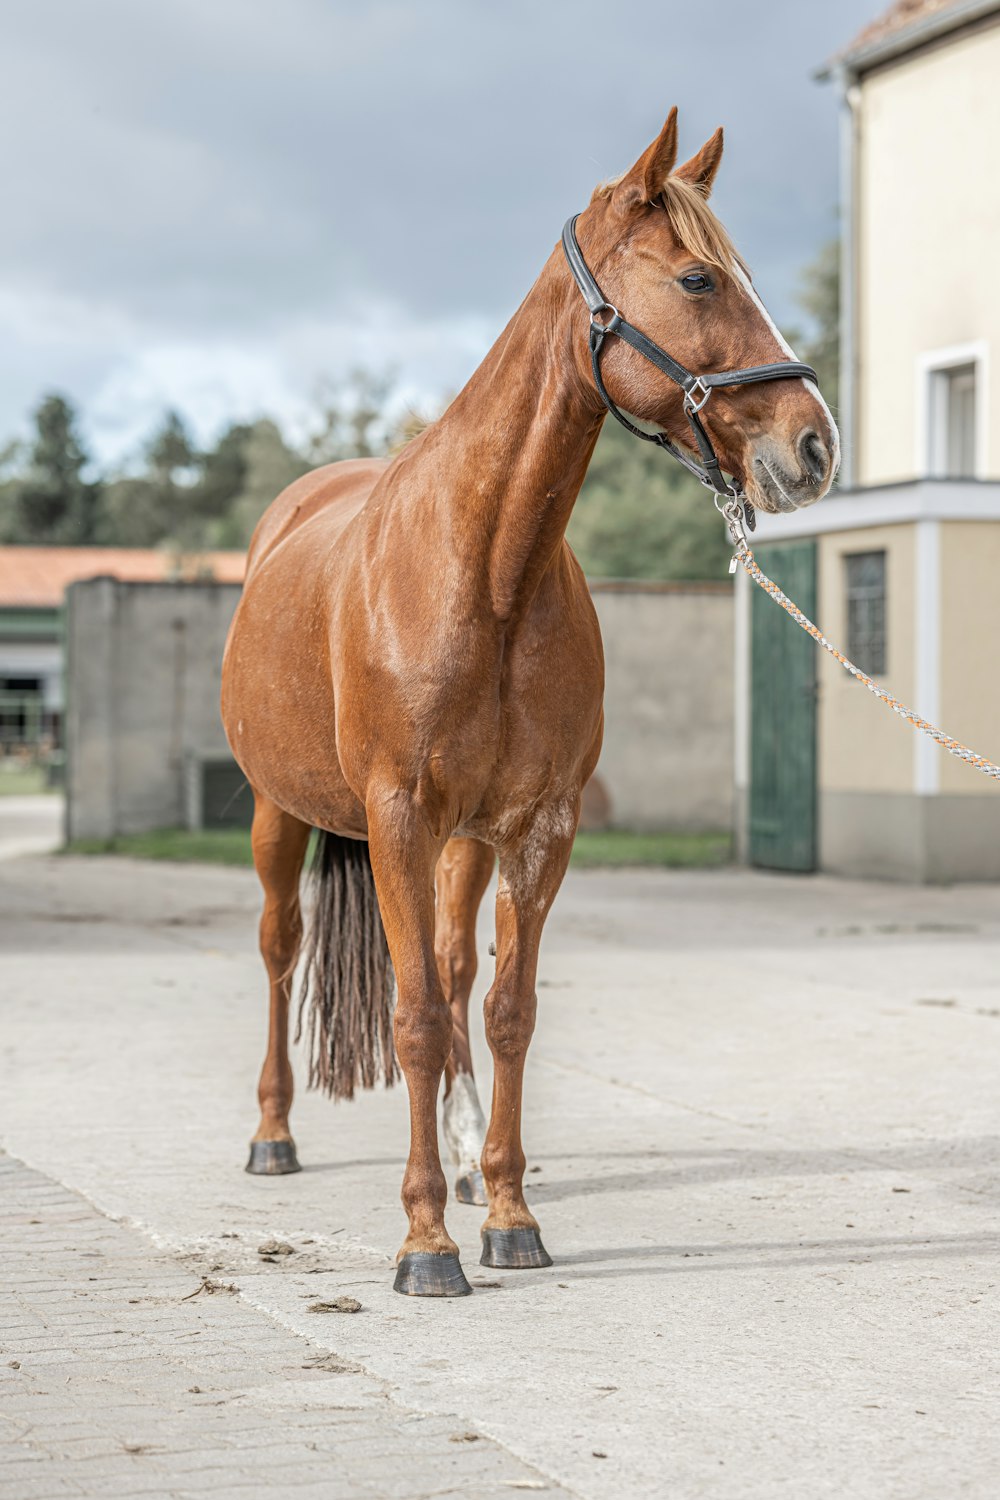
(697, 388)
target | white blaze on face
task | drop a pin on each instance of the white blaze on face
(464, 1123)
(787, 349)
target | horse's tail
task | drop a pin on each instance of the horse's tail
(347, 989)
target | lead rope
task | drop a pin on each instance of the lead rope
(745, 558)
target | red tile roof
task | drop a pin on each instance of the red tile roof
(898, 18)
(37, 577)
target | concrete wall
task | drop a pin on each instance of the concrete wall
(667, 761)
(928, 211)
(143, 671)
(933, 840)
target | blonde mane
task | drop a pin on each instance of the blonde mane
(693, 222)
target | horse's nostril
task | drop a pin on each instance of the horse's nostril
(814, 453)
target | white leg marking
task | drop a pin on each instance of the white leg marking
(464, 1123)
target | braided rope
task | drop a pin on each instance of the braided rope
(954, 747)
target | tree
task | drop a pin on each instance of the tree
(51, 502)
(819, 297)
(639, 515)
(171, 452)
(142, 510)
(269, 466)
(11, 460)
(353, 419)
(193, 500)
(223, 472)
(173, 473)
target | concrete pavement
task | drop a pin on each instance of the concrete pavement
(138, 1376)
(30, 825)
(763, 1116)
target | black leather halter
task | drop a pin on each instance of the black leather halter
(697, 388)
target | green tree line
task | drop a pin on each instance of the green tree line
(178, 494)
(639, 514)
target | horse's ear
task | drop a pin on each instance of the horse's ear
(645, 182)
(701, 169)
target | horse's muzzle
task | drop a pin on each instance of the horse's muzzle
(785, 476)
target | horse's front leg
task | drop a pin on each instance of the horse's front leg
(531, 872)
(463, 873)
(404, 852)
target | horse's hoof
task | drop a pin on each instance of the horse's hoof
(424, 1273)
(513, 1249)
(470, 1188)
(272, 1158)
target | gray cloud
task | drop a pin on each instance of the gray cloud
(214, 202)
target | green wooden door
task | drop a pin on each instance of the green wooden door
(783, 715)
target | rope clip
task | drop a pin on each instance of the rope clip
(732, 513)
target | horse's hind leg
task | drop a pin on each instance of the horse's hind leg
(404, 855)
(463, 873)
(531, 871)
(279, 847)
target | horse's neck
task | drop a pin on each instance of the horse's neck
(521, 435)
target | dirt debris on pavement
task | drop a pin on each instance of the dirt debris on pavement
(210, 1286)
(274, 1250)
(336, 1305)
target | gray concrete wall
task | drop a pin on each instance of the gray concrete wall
(902, 836)
(667, 761)
(143, 670)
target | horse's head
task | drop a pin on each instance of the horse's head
(665, 261)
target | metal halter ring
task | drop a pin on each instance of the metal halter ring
(613, 321)
(689, 395)
(730, 502)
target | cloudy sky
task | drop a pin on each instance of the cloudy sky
(216, 204)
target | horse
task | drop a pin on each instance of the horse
(415, 670)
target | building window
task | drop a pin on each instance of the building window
(21, 712)
(866, 610)
(952, 425)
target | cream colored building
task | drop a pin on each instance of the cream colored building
(902, 564)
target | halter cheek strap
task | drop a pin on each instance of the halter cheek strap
(697, 388)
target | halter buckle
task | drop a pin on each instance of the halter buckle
(689, 395)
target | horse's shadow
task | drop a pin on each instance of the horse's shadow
(757, 1255)
(349, 1166)
(695, 1168)
(667, 1170)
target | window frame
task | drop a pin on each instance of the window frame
(931, 402)
(865, 660)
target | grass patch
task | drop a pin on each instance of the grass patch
(210, 846)
(592, 851)
(23, 781)
(612, 848)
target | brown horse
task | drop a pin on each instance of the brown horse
(416, 663)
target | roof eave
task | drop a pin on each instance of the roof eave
(850, 65)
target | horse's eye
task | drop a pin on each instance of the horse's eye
(696, 281)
